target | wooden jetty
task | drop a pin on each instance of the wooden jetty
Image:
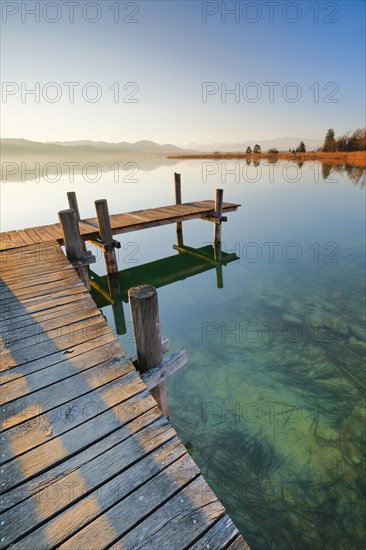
(88, 461)
(120, 223)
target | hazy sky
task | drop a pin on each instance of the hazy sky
(163, 70)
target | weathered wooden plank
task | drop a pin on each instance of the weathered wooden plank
(38, 337)
(10, 311)
(25, 319)
(25, 237)
(65, 525)
(37, 292)
(182, 519)
(13, 333)
(16, 238)
(238, 544)
(168, 366)
(39, 430)
(130, 444)
(33, 235)
(17, 371)
(60, 392)
(55, 373)
(4, 238)
(219, 536)
(43, 234)
(27, 286)
(42, 350)
(45, 457)
(54, 230)
(129, 512)
(40, 259)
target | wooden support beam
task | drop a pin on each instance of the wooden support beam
(218, 215)
(214, 219)
(106, 237)
(85, 260)
(169, 364)
(99, 244)
(146, 325)
(165, 344)
(73, 242)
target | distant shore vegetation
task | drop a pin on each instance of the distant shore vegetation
(349, 148)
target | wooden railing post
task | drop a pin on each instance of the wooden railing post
(73, 242)
(73, 203)
(106, 236)
(178, 200)
(146, 324)
(218, 215)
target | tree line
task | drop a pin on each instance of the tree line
(346, 142)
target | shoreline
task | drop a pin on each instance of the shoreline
(356, 158)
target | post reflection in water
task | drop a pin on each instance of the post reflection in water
(113, 289)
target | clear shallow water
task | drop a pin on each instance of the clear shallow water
(272, 402)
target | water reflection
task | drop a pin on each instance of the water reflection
(113, 290)
(355, 173)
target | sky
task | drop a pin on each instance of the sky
(181, 71)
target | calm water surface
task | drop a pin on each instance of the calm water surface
(272, 402)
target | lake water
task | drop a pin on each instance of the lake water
(272, 402)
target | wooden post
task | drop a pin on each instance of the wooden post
(178, 200)
(106, 236)
(146, 324)
(73, 242)
(218, 215)
(73, 203)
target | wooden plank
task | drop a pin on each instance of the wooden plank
(168, 366)
(47, 289)
(219, 536)
(41, 351)
(83, 472)
(129, 512)
(60, 392)
(43, 234)
(54, 230)
(26, 319)
(64, 525)
(16, 238)
(15, 331)
(33, 234)
(24, 235)
(17, 371)
(40, 254)
(15, 308)
(182, 519)
(4, 238)
(90, 432)
(40, 430)
(38, 282)
(238, 544)
(54, 373)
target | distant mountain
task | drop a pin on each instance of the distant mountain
(85, 148)
(282, 144)
(102, 150)
(143, 145)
